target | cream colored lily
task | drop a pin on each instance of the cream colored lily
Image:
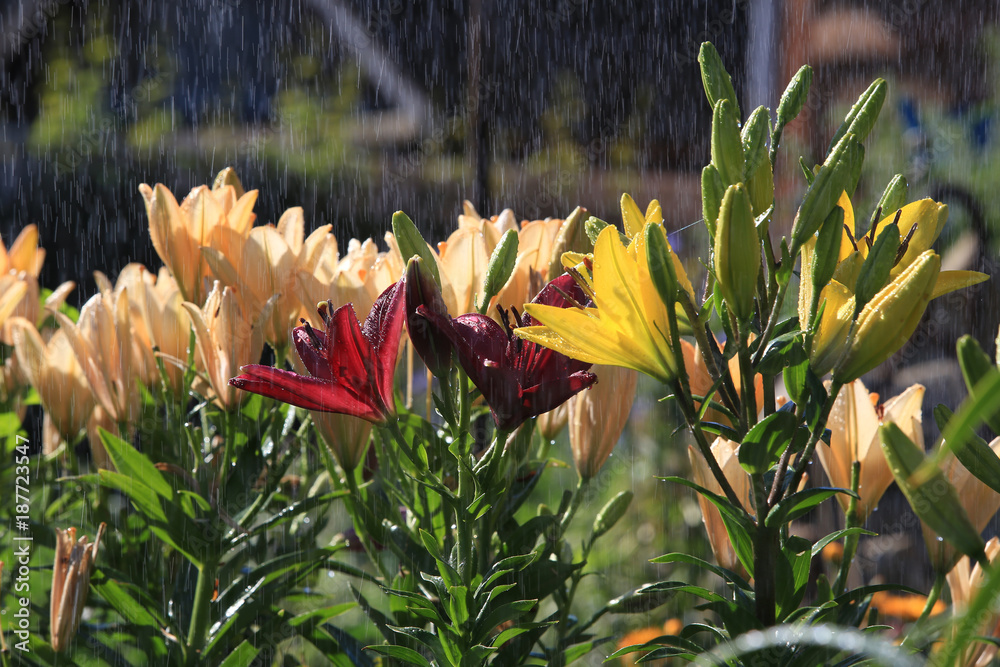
(19, 289)
(168, 326)
(965, 581)
(179, 231)
(979, 501)
(53, 370)
(102, 343)
(597, 417)
(726, 453)
(853, 424)
(227, 339)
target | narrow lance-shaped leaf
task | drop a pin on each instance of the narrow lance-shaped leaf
(932, 498)
(976, 365)
(972, 452)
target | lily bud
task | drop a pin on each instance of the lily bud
(74, 561)
(862, 116)
(421, 290)
(756, 132)
(894, 196)
(737, 252)
(597, 417)
(346, 437)
(712, 192)
(890, 318)
(726, 453)
(500, 267)
(572, 238)
(794, 97)
(824, 192)
(718, 84)
(727, 147)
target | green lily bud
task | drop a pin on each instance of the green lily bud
(593, 226)
(660, 258)
(718, 84)
(727, 147)
(411, 243)
(890, 318)
(760, 185)
(794, 97)
(827, 250)
(572, 238)
(500, 267)
(755, 135)
(610, 514)
(228, 177)
(831, 180)
(712, 191)
(893, 198)
(862, 116)
(737, 252)
(876, 267)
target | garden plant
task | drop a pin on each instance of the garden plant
(416, 392)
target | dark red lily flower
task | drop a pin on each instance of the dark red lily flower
(517, 378)
(351, 365)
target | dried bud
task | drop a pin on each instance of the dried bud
(74, 561)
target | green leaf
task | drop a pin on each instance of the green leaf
(976, 365)
(242, 656)
(610, 514)
(122, 601)
(861, 118)
(716, 80)
(797, 504)
(765, 442)
(500, 267)
(931, 495)
(836, 535)
(783, 350)
(322, 615)
(411, 243)
(794, 97)
(739, 527)
(973, 452)
(132, 463)
(641, 600)
(984, 401)
(723, 573)
(407, 655)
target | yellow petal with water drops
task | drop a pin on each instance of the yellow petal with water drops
(846, 247)
(654, 212)
(632, 217)
(949, 281)
(547, 336)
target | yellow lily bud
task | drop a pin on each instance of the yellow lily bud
(890, 318)
(737, 252)
(74, 562)
(726, 453)
(597, 417)
(345, 436)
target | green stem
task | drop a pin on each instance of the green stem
(852, 520)
(800, 465)
(201, 612)
(772, 321)
(764, 548)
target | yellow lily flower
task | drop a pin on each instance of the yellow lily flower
(629, 326)
(227, 339)
(965, 581)
(54, 372)
(597, 417)
(853, 423)
(726, 453)
(178, 231)
(979, 501)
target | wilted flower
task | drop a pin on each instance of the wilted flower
(853, 424)
(726, 453)
(74, 562)
(597, 417)
(351, 366)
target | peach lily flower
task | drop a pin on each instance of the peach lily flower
(726, 452)
(965, 580)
